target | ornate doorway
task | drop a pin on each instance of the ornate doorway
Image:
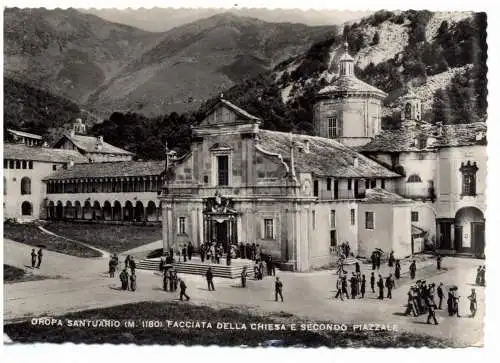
(220, 222)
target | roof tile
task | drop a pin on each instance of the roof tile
(23, 152)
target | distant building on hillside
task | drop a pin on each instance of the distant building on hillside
(26, 138)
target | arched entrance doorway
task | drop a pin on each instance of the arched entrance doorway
(469, 231)
(151, 211)
(106, 211)
(139, 211)
(117, 211)
(26, 209)
(128, 211)
(78, 210)
(96, 211)
(68, 211)
(51, 210)
(220, 221)
(87, 210)
(59, 210)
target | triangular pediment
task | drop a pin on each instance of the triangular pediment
(226, 113)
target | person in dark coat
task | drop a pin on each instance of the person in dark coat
(391, 259)
(440, 294)
(244, 276)
(438, 261)
(363, 286)
(389, 284)
(380, 285)
(278, 289)
(228, 257)
(132, 265)
(124, 279)
(378, 261)
(165, 280)
(413, 269)
(272, 266)
(133, 281)
(175, 278)
(478, 275)
(339, 289)
(210, 279)
(127, 260)
(449, 302)
(397, 270)
(202, 252)
(184, 253)
(374, 260)
(40, 254)
(162, 264)
(372, 282)
(183, 290)
(344, 287)
(482, 279)
(112, 268)
(171, 279)
(473, 303)
(354, 286)
(33, 258)
(190, 250)
(357, 267)
(347, 249)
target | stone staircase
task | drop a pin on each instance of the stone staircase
(196, 267)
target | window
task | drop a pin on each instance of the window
(18, 164)
(328, 184)
(367, 184)
(332, 126)
(332, 219)
(373, 183)
(414, 178)
(6, 164)
(223, 170)
(414, 216)
(335, 189)
(182, 225)
(25, 186)
(353, 216)
(268, 229)
(26, 209)
(316, 188)
(382, 183)
(468, 171)
(349, 184)
(24, 164)
(11, 164)
(30, 164)
(333, 238)
(408, 111)
(314, 219)
(369, 220)
(54, 167)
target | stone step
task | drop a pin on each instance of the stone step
(198, 268)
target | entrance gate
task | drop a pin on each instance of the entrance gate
(220, 222)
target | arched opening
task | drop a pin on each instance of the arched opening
(107, 211)
(408, 111)
(117, 211)
(78, 210)
(151, 211)
(69, 212)
(25, 186)
(139, 211)
(87, 210)
(51, 211)
(414, 178)
(128, 211)
(59, 210)
(96, 211)
(26, 209)
(469, 231)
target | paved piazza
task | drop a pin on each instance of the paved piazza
(83, 284)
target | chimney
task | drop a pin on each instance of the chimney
(100, 142)
(306, 146)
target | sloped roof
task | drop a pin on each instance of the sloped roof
(403, 138)
(23, 152)
(377, 195)
(242, 113)
(25, 134)
(111, 169)
(326, 157)
(349, 83)
(88, 144)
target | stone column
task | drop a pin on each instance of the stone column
(167, 225)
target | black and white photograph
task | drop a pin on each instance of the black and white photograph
(245, 177)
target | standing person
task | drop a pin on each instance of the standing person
(184, 253)
(363, 286)
(124, 279)
(127, 260)
(183, 290)
(358, 283)
(391, 259)
(380, 285)
(344, 287)
(272, 266)
(379, 256)
(482, 280)
(397, 270)
(212, 253)
(354, 284)
(261, 270)
(413, 269)
(374, 260)
(244, 276)
(228, 258)
(132, 265)
(389, 284)
(33, 258)
(438, 261)
(202, 252)
(372, 282)
(112, 268)
(278, 289)
(210, 279)
(165, 280)
(133, 281)
(162, 264)
(347, 249)
(473, 302)
(478, 275)
(449, 301)
(175, 278)
(455, 302)
(339, 289)
(171, 279)
(430, 307)
(357, 267)
(190, 250)
(179, 253)
(440, 295)
(40, 255)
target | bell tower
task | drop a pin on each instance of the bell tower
(411, 108)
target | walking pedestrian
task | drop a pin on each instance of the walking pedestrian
(440, 295)
(354, 284)
(184, 253)
(380, 285)
(372, 282)
(339, 289)
(397, 270)
(430, 308)
(244, 275)
(202, 252)
(413, 269)
(438, 261)
(344, 287)
(183, 290)
(374, 260)
(40, 255)
(363, 286)
(132, 265)
(165, 280)
(127, 260)
(278, 289)
(455, 298)
(473, 303)
(478, 275)
(133, 281)
(228, 258)
(482, 279)
(210, 279)
(190, 250)
(124, 279)
(112, 267)
(389, 284)
(391, 259)
(33, 258)
(272, 266)
(171, 279)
